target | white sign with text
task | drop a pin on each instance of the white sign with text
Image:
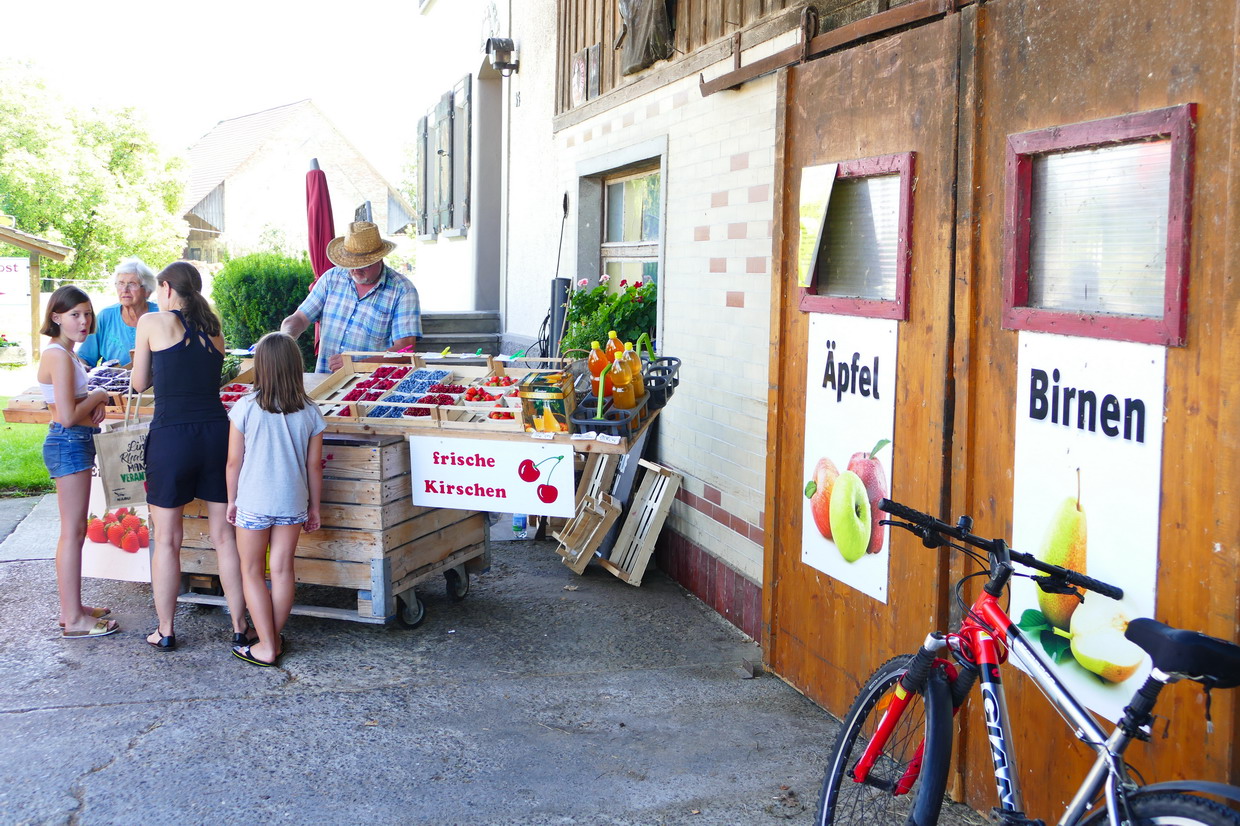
(502, 476)
(850, 411)
(1088, 476)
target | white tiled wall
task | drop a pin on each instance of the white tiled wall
(714, 296)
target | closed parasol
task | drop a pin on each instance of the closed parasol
(320, 224)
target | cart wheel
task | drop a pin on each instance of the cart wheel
(410, 611)
(458, 582)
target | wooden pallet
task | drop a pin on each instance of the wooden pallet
(373, 539)
(647, 513)
(582, 536)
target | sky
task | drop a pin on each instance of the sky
(187, 66)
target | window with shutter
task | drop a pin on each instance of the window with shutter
(424, 180)
(461, 133)
(862, 263)
(443, 163)
(1097, 226)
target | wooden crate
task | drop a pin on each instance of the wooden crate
(373, 539)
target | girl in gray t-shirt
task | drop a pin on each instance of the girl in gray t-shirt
(275, 478)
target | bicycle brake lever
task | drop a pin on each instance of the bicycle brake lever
(1057, 585)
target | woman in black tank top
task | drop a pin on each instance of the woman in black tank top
(180, 352)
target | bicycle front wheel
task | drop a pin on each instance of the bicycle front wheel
(1173, 809)
(922, 734)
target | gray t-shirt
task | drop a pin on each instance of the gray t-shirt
(273, 474)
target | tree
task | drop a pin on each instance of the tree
(91, 180)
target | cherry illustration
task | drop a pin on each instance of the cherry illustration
(528, 471)
(548, 493)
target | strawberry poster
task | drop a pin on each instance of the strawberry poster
(1088, 466)
(118, 540)
(849, 422)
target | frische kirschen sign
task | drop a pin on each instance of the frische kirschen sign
(850, 410)
(1088, 476)
(503, 476)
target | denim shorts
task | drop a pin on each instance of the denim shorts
(261, 522)
(69, 450)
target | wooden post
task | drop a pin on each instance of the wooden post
(36, 282)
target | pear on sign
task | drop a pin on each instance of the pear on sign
(1098, 641)
(1064, 546)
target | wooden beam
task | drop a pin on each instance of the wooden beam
(35, 283)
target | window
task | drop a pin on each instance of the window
(444, 164)
(862, 262)
(1096, 227)
(630, 245)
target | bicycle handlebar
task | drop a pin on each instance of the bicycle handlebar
(931, 525)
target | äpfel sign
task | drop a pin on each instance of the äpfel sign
(506, 477)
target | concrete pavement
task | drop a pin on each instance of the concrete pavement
(542, 698)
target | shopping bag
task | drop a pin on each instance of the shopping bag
(120, 454)
(110, 556)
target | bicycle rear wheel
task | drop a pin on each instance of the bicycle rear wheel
(924, 730)
(1173, 809)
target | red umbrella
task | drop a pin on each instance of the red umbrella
(322, 228)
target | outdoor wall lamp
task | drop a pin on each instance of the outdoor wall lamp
(500, 53)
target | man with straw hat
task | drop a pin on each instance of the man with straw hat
(363, 303)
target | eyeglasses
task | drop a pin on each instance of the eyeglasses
(126, 286)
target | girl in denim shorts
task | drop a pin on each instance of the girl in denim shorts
(275, 478)
(69, 451)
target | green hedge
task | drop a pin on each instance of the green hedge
(255, 292)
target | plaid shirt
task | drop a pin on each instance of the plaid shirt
(373, 322)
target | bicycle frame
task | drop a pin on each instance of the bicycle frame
(987, 650)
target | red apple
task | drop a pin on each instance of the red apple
(818, 492)
(870, 469)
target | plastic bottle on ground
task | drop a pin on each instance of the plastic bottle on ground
(519, 525)
(597, 362)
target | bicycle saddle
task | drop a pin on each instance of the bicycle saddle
(1208, 660)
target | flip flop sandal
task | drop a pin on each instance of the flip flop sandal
(168, 643)
(101, 629)
(96, 613)
(242, 652)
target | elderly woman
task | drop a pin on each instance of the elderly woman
(116, 326)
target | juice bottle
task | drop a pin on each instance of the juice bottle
(614, 345)
(622, 395)
(597, 362)
(634, 363)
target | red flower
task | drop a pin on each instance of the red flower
(637, 285)
(624, 283)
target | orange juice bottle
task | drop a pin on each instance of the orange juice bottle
(634, 363)
(614, 345)
(622, 395)
(597, 362)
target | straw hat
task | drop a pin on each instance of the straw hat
(360, 247)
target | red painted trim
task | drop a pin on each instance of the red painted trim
(903, 165)
(1178, 123)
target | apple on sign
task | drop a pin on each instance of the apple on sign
(870, 470)
(818, 492)
(850, 516)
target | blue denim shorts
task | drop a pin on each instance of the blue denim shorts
(261, 522)
(69, 449)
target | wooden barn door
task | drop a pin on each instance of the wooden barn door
(1053, 75)
(973, 100)
(889, 104)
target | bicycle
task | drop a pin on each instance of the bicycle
(891, 758)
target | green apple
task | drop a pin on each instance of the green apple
(850, 516)
(1098, 641)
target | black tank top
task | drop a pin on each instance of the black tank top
(187, 380)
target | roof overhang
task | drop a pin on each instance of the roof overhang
(33, 243)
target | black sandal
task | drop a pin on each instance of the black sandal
(168, 643)
(243, 637)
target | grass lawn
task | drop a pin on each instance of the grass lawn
(21, 458)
